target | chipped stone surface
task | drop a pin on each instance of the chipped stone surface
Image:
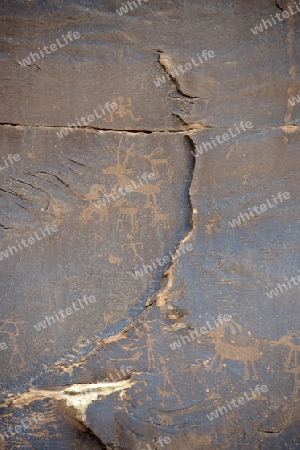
(150, 358)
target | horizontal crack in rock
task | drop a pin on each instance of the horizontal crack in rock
(90, 128)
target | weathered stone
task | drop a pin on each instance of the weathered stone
(172, 353)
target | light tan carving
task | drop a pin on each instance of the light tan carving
(160, 217)
(291, 340)
(164, 418)
(155, 162)
(114, 259)
(92, 197)
(11, 328)
(212, 224)
(167, 381)
(120, 171)
(133, 246)
(246, 176)
(57, 207)
(296, 372)
(291, 364)
(122, 110)
(226, 350)
(150, 190)
(132, 213)
(229, 153)
(150, 344)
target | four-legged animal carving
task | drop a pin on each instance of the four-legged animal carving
(291, 340)
(95, 207)
(160, 217)
(132, 213)
(225, 350)
(155, 162)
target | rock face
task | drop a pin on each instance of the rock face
(149, 225)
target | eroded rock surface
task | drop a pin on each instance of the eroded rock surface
(164, 314)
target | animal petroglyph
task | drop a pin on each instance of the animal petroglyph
(57, 207)
(291, 340)
(225, 350)
(291, 363)
(114, 259)
(212, 224)
(92, 209)
(132, 212)
(296, 372)
(160, 217)
(155, 162)
(120, 171)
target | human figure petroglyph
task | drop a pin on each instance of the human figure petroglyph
(120, 171)
(133, 246)
(122, 110)
(150, 344)
(167, 381)
(11, 328)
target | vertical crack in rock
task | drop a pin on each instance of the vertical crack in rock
(162, 296)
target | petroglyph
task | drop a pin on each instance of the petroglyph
(122, 110)
(212, 225)
(291, 340)
(225, 350)
(12, 330)
(159, 216)
(296, 372)
(133, 246)
(156, 162)
(91, 209)
(132, 213)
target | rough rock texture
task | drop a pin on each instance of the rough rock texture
(131, 366)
